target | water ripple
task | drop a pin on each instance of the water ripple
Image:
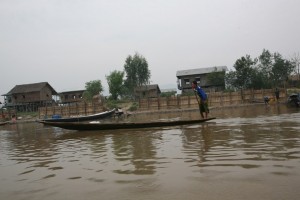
(230, 151)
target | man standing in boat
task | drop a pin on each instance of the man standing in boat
(203, 104)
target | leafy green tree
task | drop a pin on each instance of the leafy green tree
(296, 62)
(115, 84)
(281, 70)
(137, 72)
(216, 78)
(92, 88)
(265, 69)
(244, 72)
(266, 63)
(271, 71)
(258, 80)
(168, 94)
(230, 79)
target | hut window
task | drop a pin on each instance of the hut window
(74, 96)
(187, 81)
(197, 79)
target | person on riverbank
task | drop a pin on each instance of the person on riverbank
(203, 104)
(266, 100)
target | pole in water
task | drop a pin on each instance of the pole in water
(197, 101)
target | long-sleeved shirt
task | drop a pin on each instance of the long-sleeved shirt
(201, 93)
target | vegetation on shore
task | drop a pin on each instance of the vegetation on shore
(124, 104)
(268, 70)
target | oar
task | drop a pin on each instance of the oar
(197, 100)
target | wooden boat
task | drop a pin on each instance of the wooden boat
(124, 125)
(97, 116)
(3, 123)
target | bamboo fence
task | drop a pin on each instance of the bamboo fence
(215, 99)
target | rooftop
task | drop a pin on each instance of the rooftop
(26, 88)
(200, 71)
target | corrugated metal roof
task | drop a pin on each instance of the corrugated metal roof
(71, 91)
(200, 71)
(26, 88)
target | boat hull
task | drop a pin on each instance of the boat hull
(84, 118)
(125, 125)
(3, 123)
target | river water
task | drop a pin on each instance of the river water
(246, 153)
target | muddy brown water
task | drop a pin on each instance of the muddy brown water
(250, 152)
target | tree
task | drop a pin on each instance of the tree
(266, 62)
(92, 88)
(230, 79)
(271, 71)
(281, 69)
(115, 84)
(296, 62)
(244, 72)
(137, 72)
(265, 69)
(258, 80)
(216, 78)
(168, 94)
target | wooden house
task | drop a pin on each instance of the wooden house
(186, 77)
(69, 97)
(29, 97)
(147, 91)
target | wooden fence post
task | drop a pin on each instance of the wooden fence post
(221, 99)
(242, 98)
(76, 108)
(167, 102)
(69, 110)
(93, 107)
(158, 103)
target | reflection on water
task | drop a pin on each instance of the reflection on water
(255, 150)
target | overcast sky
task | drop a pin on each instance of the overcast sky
(70, 42)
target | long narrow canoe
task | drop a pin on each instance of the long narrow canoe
(97, 116)
(3, 123)
(124, 125)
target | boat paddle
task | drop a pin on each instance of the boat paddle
(197, 101)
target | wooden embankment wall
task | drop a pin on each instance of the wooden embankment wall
(215, 99)
(78, 109)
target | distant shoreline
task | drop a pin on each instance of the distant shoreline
(34, 119)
